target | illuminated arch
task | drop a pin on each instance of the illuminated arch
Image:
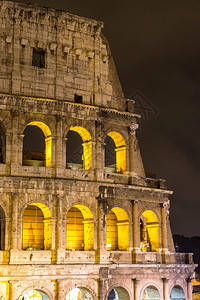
(79, 293)
(149, 231)
(48, 140)
(151, 293)
(36, 295)
(86, 146)
(119, 293)
(117, 230)
(177, 293)
(120, 151)
(80, 228)
(37, 227)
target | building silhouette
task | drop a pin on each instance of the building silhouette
(79, 219)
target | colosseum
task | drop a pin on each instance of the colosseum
(79, 218)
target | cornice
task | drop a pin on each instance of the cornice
(24, 103)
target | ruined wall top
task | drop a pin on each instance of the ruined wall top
(54, 54)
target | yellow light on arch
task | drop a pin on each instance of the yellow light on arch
(48, 140)
(87, 146)
(120, 151)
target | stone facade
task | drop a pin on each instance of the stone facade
(57, 74)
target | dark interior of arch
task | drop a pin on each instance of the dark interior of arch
(74, 150)
(33, 146)
(151, 293)
(177, 293)
(2, 147)
(2, 229)
(110, 154)
(118, 293)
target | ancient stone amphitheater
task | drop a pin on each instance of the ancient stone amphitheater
(79, 219)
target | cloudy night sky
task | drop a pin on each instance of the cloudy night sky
(156, 49)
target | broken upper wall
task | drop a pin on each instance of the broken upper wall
(54, 54)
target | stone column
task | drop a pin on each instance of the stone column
(8, 230)
(10, 289)
(99, 151)
(136, 290)
(165, 288)
(4, 148)
(189, 289)
(101, 250)
(164, 227)
(94, 161)
(20, 150)
(14, 205)
(59, 142)
(135, 160)
(136, 227)
(16, 154)
(64, 152)
(59, 229)
(53, 235)
(49, 151)
(8, 147)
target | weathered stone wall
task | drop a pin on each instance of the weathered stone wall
(77, 59)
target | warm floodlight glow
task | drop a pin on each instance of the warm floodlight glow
(35, 295)
(79, 294)
(120, 151)
(87, 146)
(117, 230)
(37, 227)
(48, 140)
(151, 292)
(80, 228)
(4, 289)
(150, 232)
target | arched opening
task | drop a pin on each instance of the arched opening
(37, 227)
(151, 293)
(118, 293)
(80, 228)
(177, 293)
(2, 229)
(2, 147)
(149, 232)
(79, 294)
(36, 295)
(117, 230)
(37, 145)
(115, 153)
(78, 149)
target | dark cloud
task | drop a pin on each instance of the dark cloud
(156, 49)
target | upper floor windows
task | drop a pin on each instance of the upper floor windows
(78, 98)
(79, 148)
(149, 232)
(37, 153)
(39, 149)
(38, 58)
(115, 153)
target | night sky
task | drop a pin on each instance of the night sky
(156, 48)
